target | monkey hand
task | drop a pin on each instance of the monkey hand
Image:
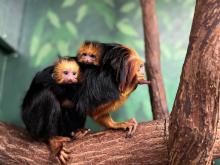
(80, 133)
(57, 147)
(131, 127)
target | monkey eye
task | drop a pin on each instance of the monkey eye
(65, 72)
(93, 56)
(84, 54)
(74, 73)
(142, 65)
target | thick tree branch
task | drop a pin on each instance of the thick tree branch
(148, 146)
(195, 114)
(152, 56)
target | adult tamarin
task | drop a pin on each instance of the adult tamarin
(48, 106)
(120, 71)
(92, 52)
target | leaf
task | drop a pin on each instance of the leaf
(107, 13)
(36, 38)
(128, 7)
(68, 3)
(53, 18)
(71, 28)
(63, 47)
(124, 27)
(110, 2)
(43, 53)
(81, 13)
(35, 43)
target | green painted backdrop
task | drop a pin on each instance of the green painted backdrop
(51, 27)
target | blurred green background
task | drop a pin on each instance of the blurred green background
(46, 28)
(39, 30)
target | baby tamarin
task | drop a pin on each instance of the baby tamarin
(119, 70)
(48, 106)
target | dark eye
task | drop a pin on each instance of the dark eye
(84, 54)
(65, 72)
(142, 65)
(92, 56)
(74, 73)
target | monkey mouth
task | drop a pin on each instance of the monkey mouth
(88, 62)
(71, 81)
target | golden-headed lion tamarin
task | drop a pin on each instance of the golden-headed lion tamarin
(48, 106)
(119, 70)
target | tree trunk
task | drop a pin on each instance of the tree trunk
(195, 113)
(152, 56)
(147, 146)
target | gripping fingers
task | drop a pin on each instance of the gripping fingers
(132, 128)
(80, 133)
(66, 150)
(131, 131)
(63, 156)
(128, 135)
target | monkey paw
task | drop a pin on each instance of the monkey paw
(58, 148)
(80, 133)
(63, 156)
(131, 127)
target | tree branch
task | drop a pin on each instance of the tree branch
(147, 146)
(195, 114)
(152, 56)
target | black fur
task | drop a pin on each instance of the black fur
(42, 113)
(101, 83)
(98, 87)
(41, 110)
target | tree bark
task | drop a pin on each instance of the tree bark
(195, 114)
(152, 56)
(147, 146)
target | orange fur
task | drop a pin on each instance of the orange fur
(101, 113)
(133, 64)
(63, 65)
(91, 48)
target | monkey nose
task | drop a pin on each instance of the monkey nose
(87, 61)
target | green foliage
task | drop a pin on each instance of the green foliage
(81, 13)
(35, 43)
(36, 38)
(128, 7)
(105, 12)
(126, 28)
(63, 47)
(110, 2)
(43, 52)
(114, 21)
(68, 3)
(53, 18)
(71, 28)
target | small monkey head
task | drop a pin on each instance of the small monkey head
(66, 71)
(140, 71)
(128, 66)
(89, 53)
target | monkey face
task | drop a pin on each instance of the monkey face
(140, 72)
(66, 72)
(70, 76)
(89, 53)
(88, 58)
